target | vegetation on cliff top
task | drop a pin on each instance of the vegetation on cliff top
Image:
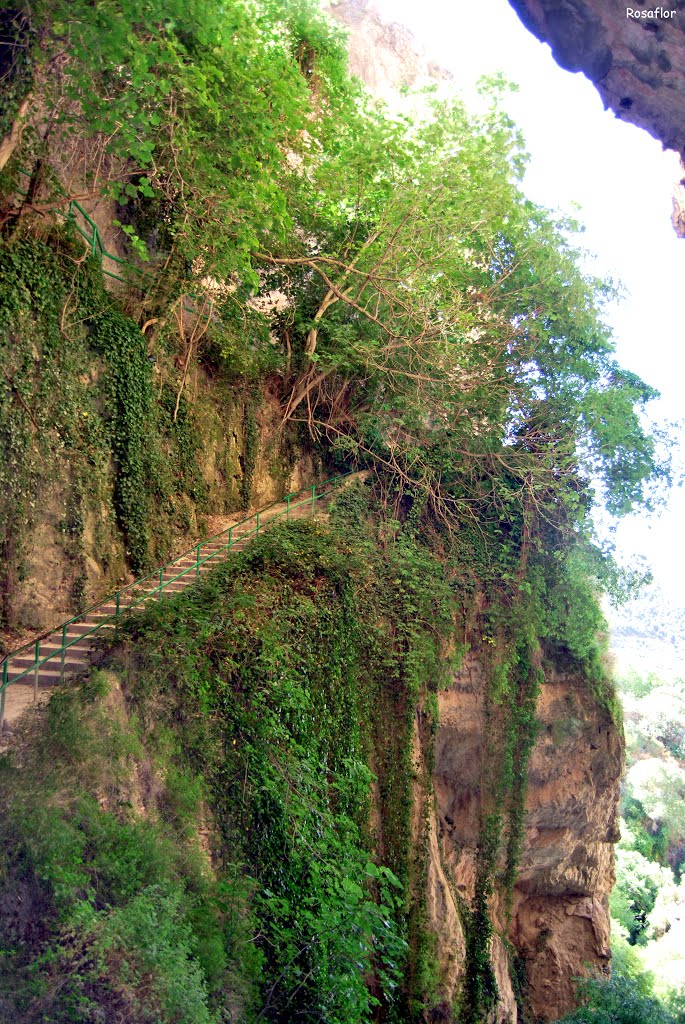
(434, 323)
(438, 323)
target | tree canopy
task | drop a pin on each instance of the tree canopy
(423, 315)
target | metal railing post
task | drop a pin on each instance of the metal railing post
(35, 671)
(64, 651)
(2, 695)
(287, 508)
(144, 594)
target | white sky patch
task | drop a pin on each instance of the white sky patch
(610, 175)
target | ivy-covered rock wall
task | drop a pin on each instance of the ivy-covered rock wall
(311, 282)
(548, 920)
(197, 827)
(108, 469)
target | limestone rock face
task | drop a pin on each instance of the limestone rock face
(559, 920)
(636, 63)
(386, 56)
(559, 916)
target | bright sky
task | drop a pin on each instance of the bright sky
(621, 179)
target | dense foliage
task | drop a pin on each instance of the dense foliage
(621, 1000)
(80, 430)
(629, 996)
(648, 902)
(438, 322)
(432, 322)
(50, 423)
(256, 702)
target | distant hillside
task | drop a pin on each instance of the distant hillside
(648, 634)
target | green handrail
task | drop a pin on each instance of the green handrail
(313, 494)
(94, 240)
(93, 236)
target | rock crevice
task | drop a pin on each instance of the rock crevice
(559, 920)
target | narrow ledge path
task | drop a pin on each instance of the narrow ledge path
(30, 673)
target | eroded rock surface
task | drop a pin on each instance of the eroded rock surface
(559, 921)
(636, 63)
(385, 55)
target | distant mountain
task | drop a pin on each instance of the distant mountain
(648, 635)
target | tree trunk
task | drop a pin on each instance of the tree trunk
(12, 140)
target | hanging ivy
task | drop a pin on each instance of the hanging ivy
(48, 412)
(250, 448)
(129, 412)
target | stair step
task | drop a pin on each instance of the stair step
(137, 602)
(80, 628)
(205, 567)
(26, 660)
(50, 670)
(82, 641)
(102, 621)
(182, 573)
(49, 646)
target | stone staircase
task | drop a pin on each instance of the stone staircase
(30, 673)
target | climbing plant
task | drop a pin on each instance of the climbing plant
(50, 426)
(82, 436)
(291, 663)
(130, 399)
(417, 315)
(15, 66)
(250, 446)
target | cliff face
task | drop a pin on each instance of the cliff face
(225, 451)
(57, 580)
(559, 920)
(384, 55)
(635, 63)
